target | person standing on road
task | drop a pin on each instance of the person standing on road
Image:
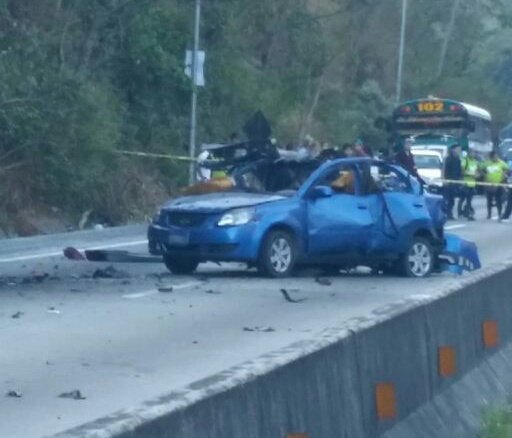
(495, 171)
(452, 171)
(405, 158)
(470, 173)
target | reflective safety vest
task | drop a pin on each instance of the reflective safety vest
(495, 171)
(470, 171)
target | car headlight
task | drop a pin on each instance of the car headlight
(157, 217)
(233, 218)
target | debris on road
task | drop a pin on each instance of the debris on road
(259, 329)
(73, 254)
(17, 315)
(35, 278)
(323, 281)
(14, 394)
(53, 310)
(75, 395)
(166, 289)
(213, 292)
(110, 272)
(288, 298)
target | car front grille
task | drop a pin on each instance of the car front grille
(184, 220)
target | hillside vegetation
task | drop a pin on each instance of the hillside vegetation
(80, 79)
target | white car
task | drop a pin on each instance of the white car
(441, 149)
(430, 167)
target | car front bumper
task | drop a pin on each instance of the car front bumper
(223, 244)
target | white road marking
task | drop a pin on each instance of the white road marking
(455, 226)
(155, 291)
(54, 254)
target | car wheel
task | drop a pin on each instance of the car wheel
(278, 255)
(181, 265)
(419, 260)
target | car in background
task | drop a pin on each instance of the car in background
(347, 213)
(505, 146)
(430, 167)
(441, 149)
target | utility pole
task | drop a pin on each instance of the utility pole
(401, 53)
(192, 145)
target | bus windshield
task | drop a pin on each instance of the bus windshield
(467, 124)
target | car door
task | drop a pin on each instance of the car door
(397, 207)
(338, 219)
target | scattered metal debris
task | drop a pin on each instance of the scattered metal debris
(288, 298)
(73, 254)
(323, 281)
(75, 395)
(165, 289)
(53, 310)
(259, 329)
(213, 292)
(14, 394)
(35, 278)
(17, 315)
(110, 272)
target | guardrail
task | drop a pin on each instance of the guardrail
(360, 380)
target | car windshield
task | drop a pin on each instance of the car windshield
(427, 161)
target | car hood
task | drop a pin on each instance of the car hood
(219, 202)
(430, 173)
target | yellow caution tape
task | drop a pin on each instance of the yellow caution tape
(153, 155)
(475, 183)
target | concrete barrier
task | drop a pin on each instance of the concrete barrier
(402, 372)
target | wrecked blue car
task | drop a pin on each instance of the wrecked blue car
(346, 213)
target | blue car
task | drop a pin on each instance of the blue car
(347, 213)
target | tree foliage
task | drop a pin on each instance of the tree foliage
(80, 79)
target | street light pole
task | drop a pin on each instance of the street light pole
(401, 53)
(192, 144)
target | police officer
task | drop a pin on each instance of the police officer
(452, 171)
(495, 171)
(470, 173)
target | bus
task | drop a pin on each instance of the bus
(441, 122)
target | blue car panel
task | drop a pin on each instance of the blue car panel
(372, 218)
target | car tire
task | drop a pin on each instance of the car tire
(278, 255)
(181, 265)
(419, 259)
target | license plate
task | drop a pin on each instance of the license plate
(178, 238)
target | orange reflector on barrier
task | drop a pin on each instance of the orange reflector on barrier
(490, 334)
(447, 361)
(386, 401)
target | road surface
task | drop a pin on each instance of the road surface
(122, 341)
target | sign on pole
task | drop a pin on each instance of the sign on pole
(201, 56)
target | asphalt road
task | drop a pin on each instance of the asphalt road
(122, 341)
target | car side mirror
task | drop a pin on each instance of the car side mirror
(319, 192)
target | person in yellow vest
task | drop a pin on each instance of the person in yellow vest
(470, 173)
(495, 171)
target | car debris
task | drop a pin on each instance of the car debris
(166, 289)
(212, 292)
(14, 394)
(323, 281)
(288, 298)
(35, 278)
(259, 329)
(74, 395)
(73, 254)
(53, 310)
(110, 272)
(17, 315)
